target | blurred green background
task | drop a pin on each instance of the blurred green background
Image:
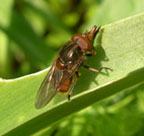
(31, 34)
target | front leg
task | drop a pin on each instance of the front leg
(96, 70)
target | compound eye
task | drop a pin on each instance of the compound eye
(83, 41)
(76, 37)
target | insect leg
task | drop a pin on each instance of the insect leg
(91, 54)
(73, 86)
(96, 70)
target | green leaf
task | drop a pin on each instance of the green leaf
(5, 12)
(5, 56)
(120, 46)
(112, 10)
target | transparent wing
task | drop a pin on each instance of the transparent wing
(48, 87)
(53, 80)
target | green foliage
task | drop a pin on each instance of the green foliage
(31, 33)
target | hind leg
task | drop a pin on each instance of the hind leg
(73, 85)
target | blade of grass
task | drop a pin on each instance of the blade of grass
(18, 29)
(21, 32)
(120, 46)
(5, 12)
(5, 56)
(44, 10)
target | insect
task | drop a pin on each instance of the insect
(63, 74)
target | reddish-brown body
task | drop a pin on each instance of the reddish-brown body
(61, 78)
(85, 42)
(64, 88)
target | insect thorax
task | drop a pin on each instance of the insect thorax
(70, 54)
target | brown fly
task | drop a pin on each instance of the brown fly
(60, 77)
